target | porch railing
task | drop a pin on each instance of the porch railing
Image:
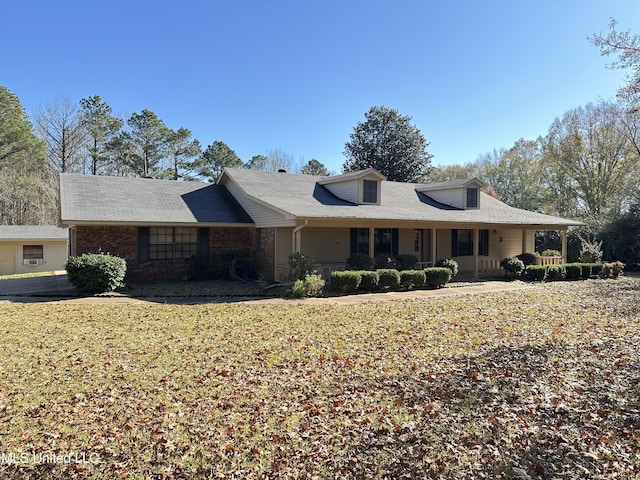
(550, 261)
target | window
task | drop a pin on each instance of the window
(32, 254)
(385, 241)
(359, 241)
(472, 198)
(462, 243)
(169, 243)
(370, 193)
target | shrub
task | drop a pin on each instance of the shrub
(590, 251)
(388, 278)
(437, 276)
(448, 263)
(536, 273)
(359, 261)
(585, 270)
(96, 272)
(368, 281)
(573, 271)
(554, 272)
(512, 265)
(406, 261)
(612, 269)
(383, 261)
(300, 266)
(596, 269)
(412, 278)
(551, 253)
(527, 258)
(311, 286)
(346, 281)
(197, 267)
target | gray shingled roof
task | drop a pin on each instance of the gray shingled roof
(91, 199)
(32, 232)
(302, 197)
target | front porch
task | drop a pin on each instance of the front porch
(478, 249)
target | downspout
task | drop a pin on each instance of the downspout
(293, 235)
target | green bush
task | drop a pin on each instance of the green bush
(448, 263)
(300, 266)
(412, 278)
(383, 261)
(512, 265)
(551, 253)
(96, 272)
(311, 286)
(527, 258)
(585, 270)
(554, 272)
(388, 278)
(536, 273)
(437, 276)
(406, 261)
(346, 281)
(368, 281)
(596, 269)
(359, 261)
(573, 271)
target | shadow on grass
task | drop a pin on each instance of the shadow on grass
(530, 412)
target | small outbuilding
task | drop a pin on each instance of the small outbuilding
(33, 248)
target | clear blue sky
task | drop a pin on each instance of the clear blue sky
(299, 75)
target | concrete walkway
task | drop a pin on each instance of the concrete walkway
(56, 289)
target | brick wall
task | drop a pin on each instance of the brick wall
(123, 242)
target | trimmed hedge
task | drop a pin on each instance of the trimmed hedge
(437, 276)
(346, 281)
(536, 273)
(412, 278)
(96, 272)
(554, 272)
(388, 278)
(573, 271)
(368, 281)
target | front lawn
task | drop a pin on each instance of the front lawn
(537, 383)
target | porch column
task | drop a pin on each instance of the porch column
(564, 245)
(434, 250)
(476, 250)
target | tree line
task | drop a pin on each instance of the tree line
(586, 166)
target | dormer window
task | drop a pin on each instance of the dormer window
(370, 191)
(472, 197)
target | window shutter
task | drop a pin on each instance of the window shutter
(143, 244)
(394, 242)
(203, 242)
(354, 241)
(454, 243)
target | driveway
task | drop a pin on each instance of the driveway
(54, 284)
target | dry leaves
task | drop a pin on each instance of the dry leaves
(535, 384)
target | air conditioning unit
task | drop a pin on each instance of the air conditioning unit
(33, 261)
